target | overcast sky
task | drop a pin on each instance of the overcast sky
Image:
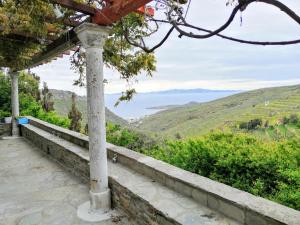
(215, 63)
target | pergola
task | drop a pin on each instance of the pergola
(91, 34)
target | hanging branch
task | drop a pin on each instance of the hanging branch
(239, 7)
(143, 46)
(177, 18)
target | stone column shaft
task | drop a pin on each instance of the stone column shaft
(14, 102)
(93, 38)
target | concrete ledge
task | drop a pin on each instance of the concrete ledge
(5, 129)
(241, 206)
(71, 136)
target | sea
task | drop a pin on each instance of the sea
(144, 104)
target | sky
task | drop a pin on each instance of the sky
(185, 63)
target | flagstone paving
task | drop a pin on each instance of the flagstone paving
(35, 190)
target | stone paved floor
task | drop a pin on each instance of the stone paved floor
(36, 191)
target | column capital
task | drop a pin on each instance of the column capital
(92, 35)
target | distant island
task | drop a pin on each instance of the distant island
(165, 107)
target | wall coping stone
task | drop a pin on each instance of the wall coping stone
(250, 204)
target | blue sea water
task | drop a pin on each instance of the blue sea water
(140, 105)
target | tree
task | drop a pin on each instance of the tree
(47, 103)
(28, 86)
(75, 116)
(5, 90)
(27, 27)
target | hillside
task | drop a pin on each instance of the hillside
(62, 105)
(192, 120)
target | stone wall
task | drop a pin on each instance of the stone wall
(77, 162)
(5, 129)
(238, 205)
(74, 161)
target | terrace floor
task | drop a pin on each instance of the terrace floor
(37, 191)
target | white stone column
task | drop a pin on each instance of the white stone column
(93, 38)
(14, 102)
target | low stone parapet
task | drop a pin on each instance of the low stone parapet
(239, 205)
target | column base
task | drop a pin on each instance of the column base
(97, 209)
(10, 137)
(15, 132)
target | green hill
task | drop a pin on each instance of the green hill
(270, 104)
(62, 105)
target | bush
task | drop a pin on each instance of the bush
(267, 169)
(53, 118)
(4, 114)
(128, 138)
(270, 170)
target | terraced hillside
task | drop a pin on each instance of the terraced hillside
(270, 104)
(276, 132)
(62, 105)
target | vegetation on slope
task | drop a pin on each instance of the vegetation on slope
(269, 104)
(285, 128)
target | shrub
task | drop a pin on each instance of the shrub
(267, 169)
(130, 139)
(53, 118)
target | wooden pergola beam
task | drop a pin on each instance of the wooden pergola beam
(19, 38)
(79, 7)
(107, 16)
(63, 44)
(117, 10)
